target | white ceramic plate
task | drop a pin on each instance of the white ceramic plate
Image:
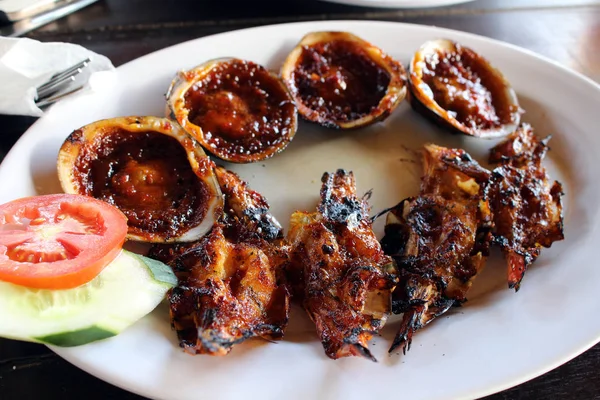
(399, 3)
(497, 340)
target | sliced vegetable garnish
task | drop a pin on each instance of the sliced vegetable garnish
(126, 290)
(58, 241)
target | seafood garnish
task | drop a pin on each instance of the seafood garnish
(526, 203)
(230, 282)
(338, 270)
(439, 239)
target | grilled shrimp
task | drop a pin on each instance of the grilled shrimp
(338, 270)
(439, 239)
(526, 204)
(230, 282)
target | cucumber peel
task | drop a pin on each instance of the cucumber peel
(126, 290)
(160, 271)
(76, 338)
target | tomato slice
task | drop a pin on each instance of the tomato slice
(58, 241)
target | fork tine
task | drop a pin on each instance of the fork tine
(49, 92)
(55, 85)
(81, 64)
(59, 82)
(61, 75)
(55, 98)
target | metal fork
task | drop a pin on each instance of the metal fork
(52, 90)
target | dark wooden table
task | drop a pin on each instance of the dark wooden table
(567, 31)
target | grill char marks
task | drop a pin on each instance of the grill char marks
(231, 281)
(338, 270)
(439, 239)
(526, 204)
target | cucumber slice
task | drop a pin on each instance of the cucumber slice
(126, 290)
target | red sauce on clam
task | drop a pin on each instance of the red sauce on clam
(339, 81)
(146, 175)
(245, 112)
(466, 90)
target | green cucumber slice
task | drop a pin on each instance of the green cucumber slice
(126, 290)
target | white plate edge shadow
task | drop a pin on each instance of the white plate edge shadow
(438, 31)
(399, 4)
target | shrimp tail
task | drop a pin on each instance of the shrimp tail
(411, 322)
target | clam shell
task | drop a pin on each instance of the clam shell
(422, 97)
(395, 93)
(86, 141)
(177, 111)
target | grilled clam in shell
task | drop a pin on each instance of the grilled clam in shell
(238, 110)
(150, 169)
(460, 90)
(341, 81)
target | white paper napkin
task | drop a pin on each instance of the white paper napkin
(25, 64)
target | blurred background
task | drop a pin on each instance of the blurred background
(123, 30)
(127, 29)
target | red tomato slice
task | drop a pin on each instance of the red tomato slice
(58, 241)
